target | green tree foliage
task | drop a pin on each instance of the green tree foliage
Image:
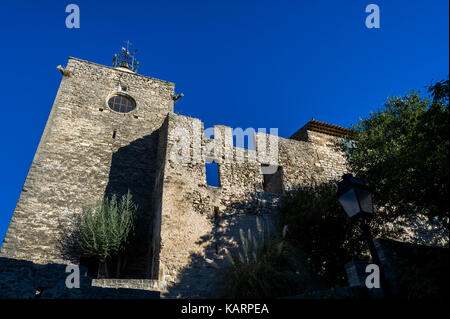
(440, 91)
(321, 229)
(401, 151)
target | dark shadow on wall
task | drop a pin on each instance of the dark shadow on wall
(200, 279)
(21, 279)
(133, 170)
(415, 271)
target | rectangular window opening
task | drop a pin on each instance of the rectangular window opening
(212, 174)
(114, 134)
(273, 179)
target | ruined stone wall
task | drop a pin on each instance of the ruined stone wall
(88, 150)
(183, 224)
(329, 163)
(199, 221)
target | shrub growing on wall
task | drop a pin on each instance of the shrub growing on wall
(266, 266)
(103, 232)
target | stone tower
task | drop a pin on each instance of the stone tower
(100, 139)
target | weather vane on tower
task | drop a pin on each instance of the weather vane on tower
(126, 59)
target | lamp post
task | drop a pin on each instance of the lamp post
(356, 199)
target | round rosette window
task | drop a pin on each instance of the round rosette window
(121, 103)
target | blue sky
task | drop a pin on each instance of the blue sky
(239, 63)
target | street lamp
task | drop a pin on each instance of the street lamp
(356, 199)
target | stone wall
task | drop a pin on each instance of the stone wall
(86, 151)
(198, 221)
